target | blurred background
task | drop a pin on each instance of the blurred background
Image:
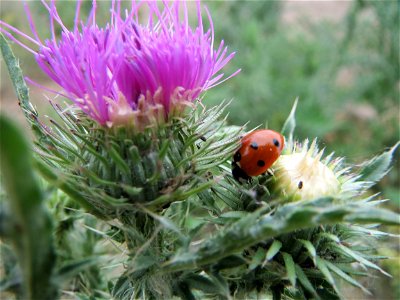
(341, 58)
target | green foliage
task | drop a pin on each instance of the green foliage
(15, 73)
(379, 166)
(29, 224)
(258, 226)
(85, 254)
(31, 269)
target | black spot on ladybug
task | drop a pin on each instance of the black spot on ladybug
(276, 142)
(237, 156)
(300, 185)
(261, 163)
(254, 145)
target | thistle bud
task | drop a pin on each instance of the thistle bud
(302, 175)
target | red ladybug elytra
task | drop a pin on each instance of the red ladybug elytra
(259, 150)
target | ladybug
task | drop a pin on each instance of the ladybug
(259, 150)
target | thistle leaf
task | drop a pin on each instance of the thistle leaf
(375, 215)
(20, 87)
(374, 169)
(256, 227)
(310, 248)
(290, 267)
(164, 149)
(327, 274)
(290, 123)
(305, 282)
(16, 76)
(360, 259)
(131, 190)
(345, 276)
(373, 232)
(258, 258)
(118, 160)
(329, 236)
(274, 249)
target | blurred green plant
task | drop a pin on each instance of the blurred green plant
(42, 257)
(26, 223)
(346, 84)
(29, 213)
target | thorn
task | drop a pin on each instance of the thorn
(393, 149)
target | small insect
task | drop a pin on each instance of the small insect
(259, 150)
(300, 185)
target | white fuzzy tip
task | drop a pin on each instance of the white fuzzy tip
(302, 176)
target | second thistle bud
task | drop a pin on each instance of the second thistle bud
(302, 175)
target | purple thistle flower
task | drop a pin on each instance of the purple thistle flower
(128, 72)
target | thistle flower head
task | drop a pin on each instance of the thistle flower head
(128, 72)
(301, 173)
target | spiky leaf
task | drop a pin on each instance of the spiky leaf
(290, 123)
(241, 235)
(16, 75)
(290, 267)
(374, 169)
(305, 281)
(273, 249)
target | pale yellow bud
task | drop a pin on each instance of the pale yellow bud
(302, 176)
